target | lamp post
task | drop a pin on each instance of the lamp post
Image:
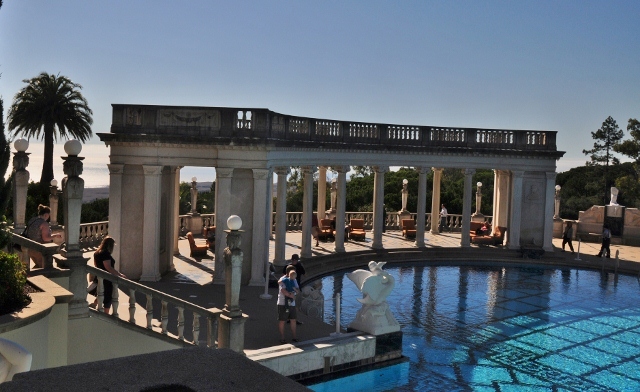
(53, 203)
(194, 196)
(21, 183)
(556, 214)
(405, 194)
(231, 322)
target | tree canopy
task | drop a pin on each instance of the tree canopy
(48, 107)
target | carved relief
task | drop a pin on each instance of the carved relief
(134, 116)
(189, 118)
(534, 193)
(594, 214)
(632, 217)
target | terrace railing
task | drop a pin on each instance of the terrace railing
(199, 316)
(248, 125)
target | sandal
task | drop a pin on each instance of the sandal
(283, 341)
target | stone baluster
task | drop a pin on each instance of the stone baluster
(149, 309)
(196, 328)
(132, 306)
(115, 300)
(100, 294)
(180, 322)
(164, 316)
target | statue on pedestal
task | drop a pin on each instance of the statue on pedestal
(376, 284)
(614, 196)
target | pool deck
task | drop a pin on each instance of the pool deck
(192, 280)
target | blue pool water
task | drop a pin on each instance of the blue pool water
(504, 329)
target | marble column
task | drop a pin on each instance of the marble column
(378, 205)
(260, 235)
(465, 238)
(224, 177)
(115, 208)
(322, 192)
(501, 199)
(270, 193)
(176, 211)
(549, 205)
(435, 200)
(341, 206)
(307, 211)
(515, 215)
(20, 184)
(279, 259)
(151, 227)
(422, 206)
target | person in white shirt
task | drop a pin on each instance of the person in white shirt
(443, 219)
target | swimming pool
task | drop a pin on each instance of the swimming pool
(505, 329)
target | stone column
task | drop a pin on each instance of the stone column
(115, 207)
(378, 205)
(270, 192)
(281, 218)
(341, 206)
(515, 215)
(176, 211)
(322, 192)
(20, 184)
(307, 211)
(231, 321)
(549, 204)
(435, 200)
(151, 227)
(260, 235)
(465, 238)
(422, 206)
(72, 190)
(501, 199)
(53, 204)
(224, 177)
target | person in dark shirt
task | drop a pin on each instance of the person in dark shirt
(102, 259)
(295, 261)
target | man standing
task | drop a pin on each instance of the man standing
(606, 241)
(443, 219)
(295, 261)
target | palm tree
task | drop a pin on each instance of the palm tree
(46, 103)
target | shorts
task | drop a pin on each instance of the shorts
(283, 315)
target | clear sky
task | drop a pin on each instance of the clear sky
(547, 65)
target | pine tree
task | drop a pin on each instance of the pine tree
(606, 138)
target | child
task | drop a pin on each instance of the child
(290, 285)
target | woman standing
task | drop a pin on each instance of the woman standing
(38, 230)
(102, 259)
(567, 235)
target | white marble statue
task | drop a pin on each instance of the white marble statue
(376, 284)
(13, 359)
(614, 196)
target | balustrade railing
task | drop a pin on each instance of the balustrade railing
(91, 234)
(165, 301)
(256, 124)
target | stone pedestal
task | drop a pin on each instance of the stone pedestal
(193, 223)
(231, 332)
(20, 185)
(78, 306)
(375, 319)
(558, 228)
(477, 217)
(403, 215)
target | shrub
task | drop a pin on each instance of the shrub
(13, 279)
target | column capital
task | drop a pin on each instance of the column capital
(422, 169)
(551, 175)
(281, 170)
(308, 169)
(517, 173)
(437, 169)
(224, 172)
(115, 168)
(380, 169)
(340, 169)
(151, 170)
(469, 172)
(260, 174)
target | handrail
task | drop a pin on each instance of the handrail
(246, 125)
(47, 250)
(211, 315)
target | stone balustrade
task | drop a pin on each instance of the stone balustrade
(210, 316)
(248, 125)
(91, 234)
(47, 250)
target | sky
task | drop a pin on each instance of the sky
(545, 65)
